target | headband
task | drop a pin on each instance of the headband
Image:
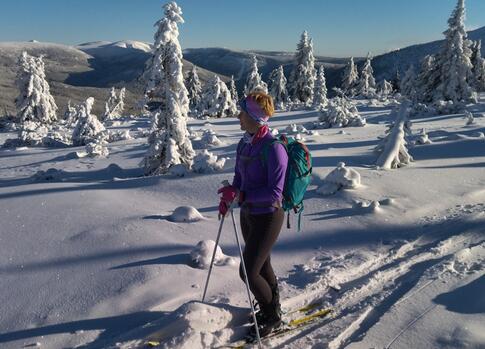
(253, 109)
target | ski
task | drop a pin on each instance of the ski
(293, 325)
(306, 315)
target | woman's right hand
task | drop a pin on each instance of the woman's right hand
(229, 193)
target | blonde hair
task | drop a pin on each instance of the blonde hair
(264, 100)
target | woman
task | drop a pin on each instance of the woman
(259, 182)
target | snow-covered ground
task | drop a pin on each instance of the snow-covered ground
(92, 257)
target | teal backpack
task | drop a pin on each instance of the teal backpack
(298, 174)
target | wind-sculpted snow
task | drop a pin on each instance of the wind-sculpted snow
(341, 177)
(201, 255)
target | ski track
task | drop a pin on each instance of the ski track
(385, 281)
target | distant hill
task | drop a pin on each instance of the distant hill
(385, 65)
(78, 72)
(91, 69)
(232, 62)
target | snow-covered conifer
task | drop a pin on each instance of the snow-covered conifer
(217, 100)
(320, 99)
(396, 82)
(450, 76)
(392, 149)
(115, 104)
(478, 67)
(350, 78)
(233, 90)
(366, 86)
(254, 81)
(69, 114)
(340, 112)
(194, 88)
(169, 144)
(385, 89)
(427, 79)
(278, 88)
(302, 78)
(408, 84)
(35, 102)
(88, 128)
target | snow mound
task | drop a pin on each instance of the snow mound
(207, 162)
(118, 135)
(209, 138)
(186, 214)
(201, 255)
(423, 138)
(52, 174)
(341, 177)
(463, 336)
(372, 206)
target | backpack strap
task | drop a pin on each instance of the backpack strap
(264, 153)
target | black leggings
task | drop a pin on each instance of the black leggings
(260, 232)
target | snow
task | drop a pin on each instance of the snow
(201, 255)
(90, 256)
(341, 177)
(108, 48)
(186, 214)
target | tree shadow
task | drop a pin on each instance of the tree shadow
(110, 326)
(109, 178)
(69, 156)
(467, 299)
(339, 213)
(465, 148)
(325, 146)
(363, 160)
(470, 165)
(181, 258)
(57, 263)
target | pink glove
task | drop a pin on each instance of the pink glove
(229, 193)
(222, 208)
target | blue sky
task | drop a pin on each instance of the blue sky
(338, 27)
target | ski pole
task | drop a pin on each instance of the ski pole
(246, 281)
(224, 183)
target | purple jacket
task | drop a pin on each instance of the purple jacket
(262, 184)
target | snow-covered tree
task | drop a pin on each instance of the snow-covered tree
(478, 66)
(320, 99)
(427, 79)
(340, 112)
(408, 84)
(278, 87)
(385, 89)
(392, 150)
(35, 102)
(217, 100)
(350, 78)
(254, 81)
(233, 90)
(450, 75)
(302, 78)
(69, 114)
(88, 128)
(115, 105)
(396, 81)
(194, 88)
(207, 162)
(169, 144)
(366, 86)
